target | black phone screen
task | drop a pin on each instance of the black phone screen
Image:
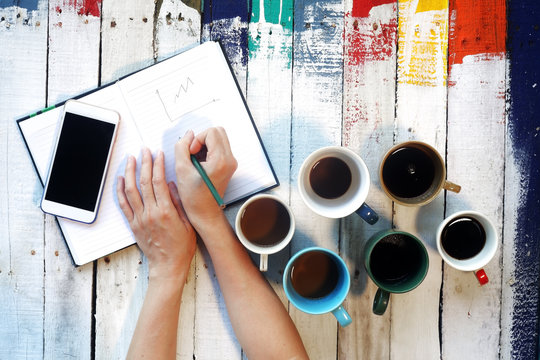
(79, 162)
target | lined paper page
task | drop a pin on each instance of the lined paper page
(196, 90)
(110, 232)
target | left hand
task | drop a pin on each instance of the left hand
(157, 219)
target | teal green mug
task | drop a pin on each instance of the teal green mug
(397, 262)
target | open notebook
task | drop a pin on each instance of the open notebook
(192, 90)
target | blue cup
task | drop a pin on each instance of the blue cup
(329, 297)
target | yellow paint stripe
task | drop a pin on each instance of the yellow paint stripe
(428, 5)
(423, 44)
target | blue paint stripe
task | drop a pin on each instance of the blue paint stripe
(523, 46)
(217, 16)
(29, 5)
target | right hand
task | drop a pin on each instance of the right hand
(220, 165)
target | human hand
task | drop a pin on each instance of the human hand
(157, 219)
(201, 207)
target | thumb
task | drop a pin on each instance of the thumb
(181, 148)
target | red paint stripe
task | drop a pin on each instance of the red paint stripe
(369, 39)
(361, 8)
(83, 7)
(476, 27)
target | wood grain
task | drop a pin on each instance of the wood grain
(368, 122)
(316, 122)
(23, 70)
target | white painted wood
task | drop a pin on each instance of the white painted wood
(515, 185)
(73, 68)
(178, 26)
(420, 115)
(214, 335)
(316, 122)
(476, 137)
(122, 278)
(269, 97)
(23, 61)
(368, 112)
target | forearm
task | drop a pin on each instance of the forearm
(260, 321)
(156, 330)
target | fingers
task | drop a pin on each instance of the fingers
(130, 186)
(145, 181)
(175, 197)
(122, 199)
(160, 188)
(215, 140)
(181, 151)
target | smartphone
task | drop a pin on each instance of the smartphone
(79, 162)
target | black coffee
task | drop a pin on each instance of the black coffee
(395, 258)
(265, 222)
(314, 274)
(408, 172)
(330, 178)
(463, 238)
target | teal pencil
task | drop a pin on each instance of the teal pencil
(206, 179)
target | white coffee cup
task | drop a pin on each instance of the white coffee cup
(261, 212)
(353, 200)
(482, 257)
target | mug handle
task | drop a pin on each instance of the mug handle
(368, 214)
(451, 187)
(263, 264)
(342, 316)
(380, 301)
(482, 277)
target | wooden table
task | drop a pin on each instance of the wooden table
(365, 74)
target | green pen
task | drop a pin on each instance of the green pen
(206, 179)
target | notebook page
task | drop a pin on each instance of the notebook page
(110, 232)
(196, 90)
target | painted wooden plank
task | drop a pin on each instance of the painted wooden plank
(225, 21)
(522, 184)
(23, 70)
(122, 278)
(269, 96)
(316, 122)
(368, 116)
(176, 27)
(73, 68)
(420, 115)
(470, 317)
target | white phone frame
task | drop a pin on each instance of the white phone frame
(99, 114)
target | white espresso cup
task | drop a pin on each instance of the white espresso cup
(265, 225)
(467, 241)
(336, 188)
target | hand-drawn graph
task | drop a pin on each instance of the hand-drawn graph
(185, 91)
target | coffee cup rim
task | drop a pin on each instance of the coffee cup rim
(336, 303)
(400, 200)
(327, 210)
(484, 256)
(265, 250)
(381, 235)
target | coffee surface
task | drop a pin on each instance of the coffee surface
(395, 258)
(314, 274)
(330, 178)
(408, 172)
(463, 238)
(265, 222)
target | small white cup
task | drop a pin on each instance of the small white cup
(478, 261)
(264, 250)
(353, 200)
